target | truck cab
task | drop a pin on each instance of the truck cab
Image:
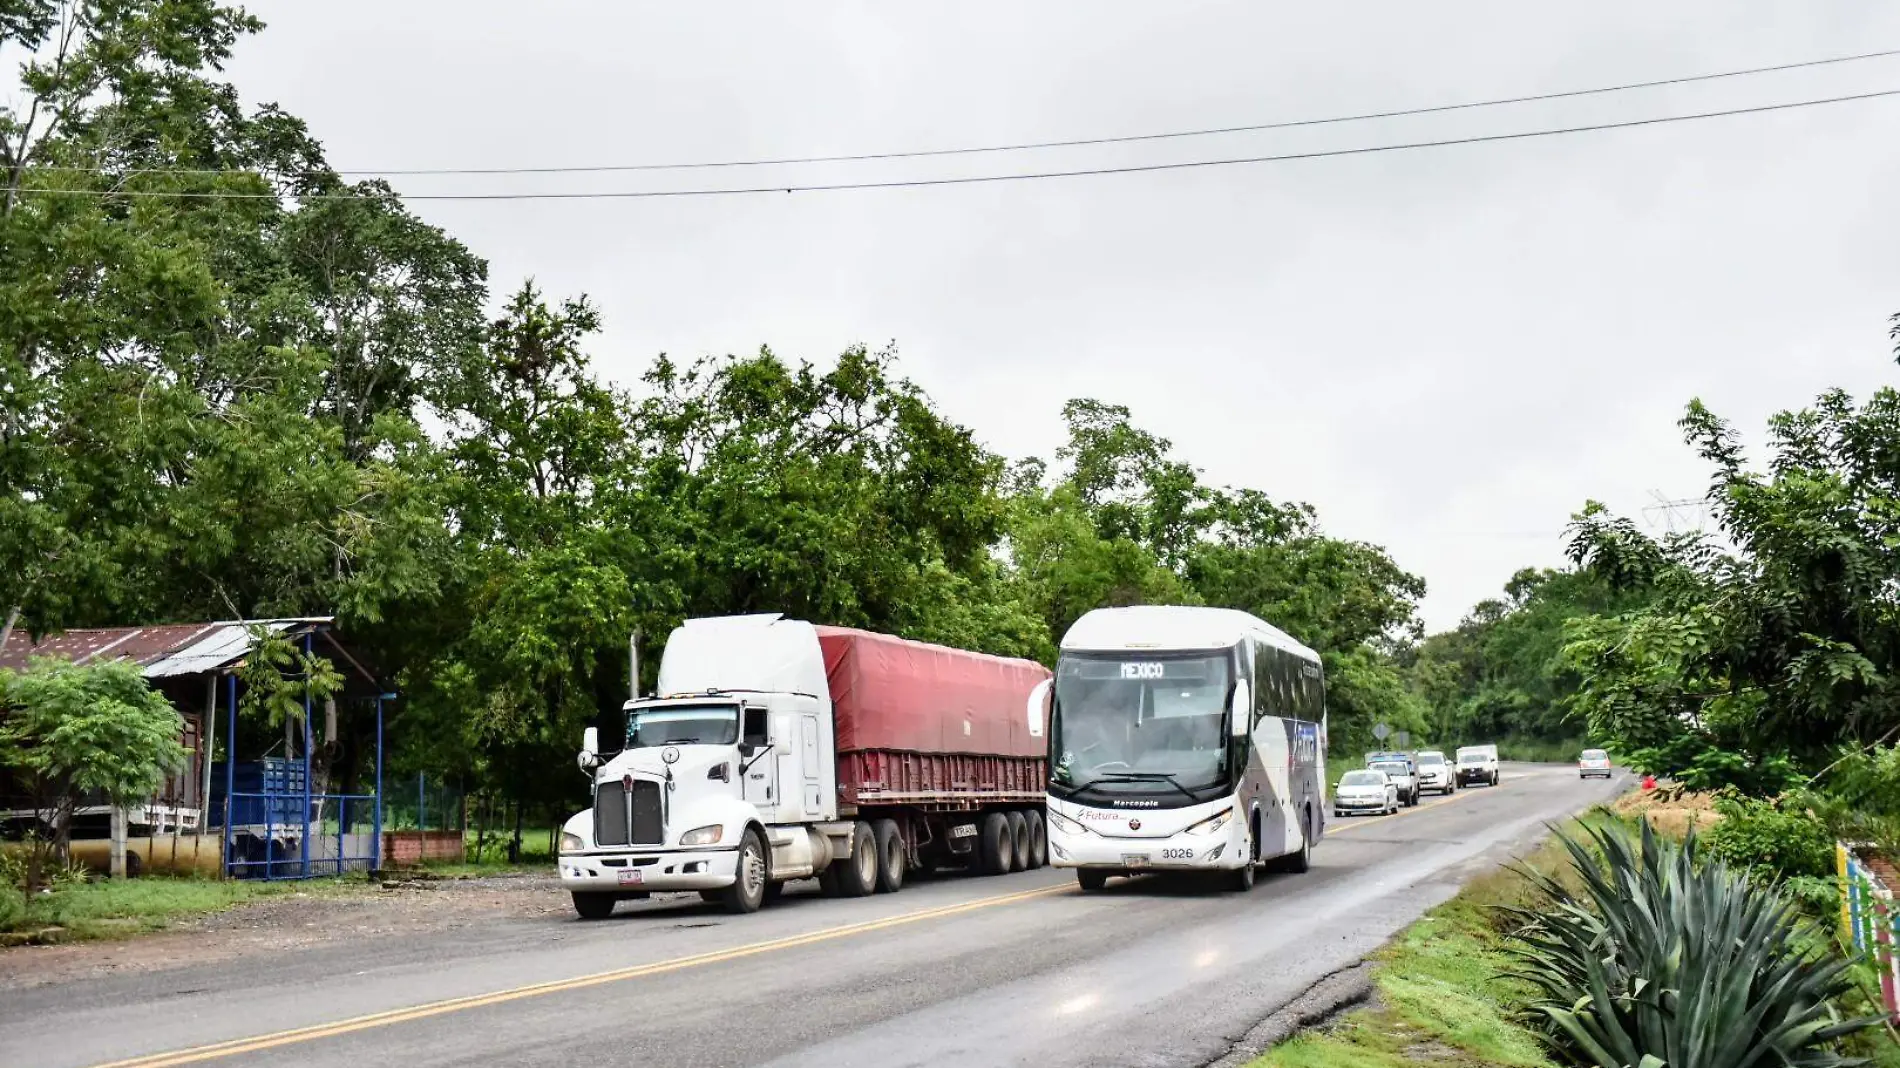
(723, 784)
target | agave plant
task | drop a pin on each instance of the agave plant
(1666, 960)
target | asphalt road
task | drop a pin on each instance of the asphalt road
(1022, 969)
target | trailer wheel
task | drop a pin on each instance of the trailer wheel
(593, 904)
(890, 856)
(994, 844)
(1038, 840)
(1019, 842)
(1091, 878)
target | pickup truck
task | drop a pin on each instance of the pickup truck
(1477, 764)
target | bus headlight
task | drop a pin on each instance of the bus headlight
(1212, 823)
(571, 843)
(1065, 824)
(703, 836)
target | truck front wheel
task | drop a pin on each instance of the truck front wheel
(747, 891)
(1091, 878)
(594, 904)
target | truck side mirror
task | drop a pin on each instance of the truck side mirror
(590, 749)
(755, 730)
(1241, 715)
(1038, 700)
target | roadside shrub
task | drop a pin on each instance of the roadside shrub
(12, 906)
(1773, 840)
(1665, 958)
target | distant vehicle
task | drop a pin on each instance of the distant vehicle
(1593, 762)
(1403, 773)
(1477, 764)
(1434, 771)
(1365, 790)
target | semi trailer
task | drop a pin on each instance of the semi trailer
(777, 750)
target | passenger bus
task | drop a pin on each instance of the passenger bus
(1184, 739)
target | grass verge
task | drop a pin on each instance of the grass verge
(1440, 998)
(115, 908)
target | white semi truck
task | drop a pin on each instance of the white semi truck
(777, 750)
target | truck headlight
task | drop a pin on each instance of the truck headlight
(1212, 823)
(571, 843)
(703, 836)
(1065, 824)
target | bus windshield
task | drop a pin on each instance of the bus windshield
(1147, 725)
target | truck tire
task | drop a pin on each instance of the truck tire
(890, 856)
(1038, 840)
(747, 891)
(1019, 842)
(594, 904)
(1091, 878)
(993, 844)
(855, 873)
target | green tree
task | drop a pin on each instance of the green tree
(69, 732)
(1768, 653)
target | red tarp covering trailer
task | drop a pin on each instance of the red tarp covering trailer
(925, 725)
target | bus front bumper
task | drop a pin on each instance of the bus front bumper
(1180, 852)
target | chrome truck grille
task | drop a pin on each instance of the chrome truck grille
(616, 813)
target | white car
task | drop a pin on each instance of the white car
(1593, 762)
(1477, 764)
(1434, 771)
(1365, 790)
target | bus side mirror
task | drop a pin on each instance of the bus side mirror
(590, 749)
(1241, 714)
(1038, 700)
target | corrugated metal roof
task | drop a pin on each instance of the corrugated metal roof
(162, 651)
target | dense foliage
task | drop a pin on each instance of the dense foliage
(1501, 675)
(1660, 957)
(1758, 655)
(68, 731)
(235, 384)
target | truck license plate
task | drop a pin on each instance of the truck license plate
(630, 876)
(1134, 860)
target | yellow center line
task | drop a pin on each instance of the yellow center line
(233, 1047)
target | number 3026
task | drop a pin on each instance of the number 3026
(1177, 854)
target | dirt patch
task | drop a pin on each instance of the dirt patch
(294, 921)
(1670, 809)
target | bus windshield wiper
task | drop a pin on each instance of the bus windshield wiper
(1138, 776)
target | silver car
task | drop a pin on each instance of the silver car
(1365, 791)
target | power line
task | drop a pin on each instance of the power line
(1289, 124)
(911, 183)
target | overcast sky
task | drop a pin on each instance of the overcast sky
(1447, 351)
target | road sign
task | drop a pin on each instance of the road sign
(1380, 730)
(1404, 739)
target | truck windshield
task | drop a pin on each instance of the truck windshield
(1142, 725)
(1392, 768)
(682, 725)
